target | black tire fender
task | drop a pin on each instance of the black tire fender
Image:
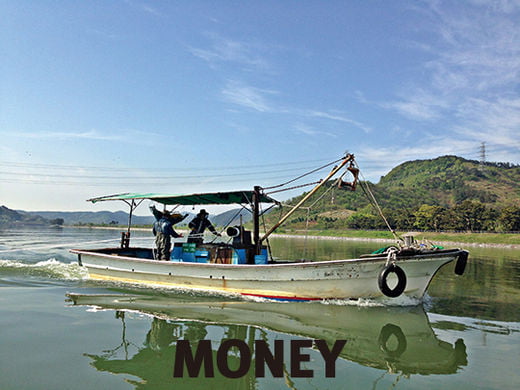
(392, 330)
(401, 281)
(461, 262)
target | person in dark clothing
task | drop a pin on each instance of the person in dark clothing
(163, 231)
(198, 225)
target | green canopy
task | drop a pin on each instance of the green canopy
(240, 197)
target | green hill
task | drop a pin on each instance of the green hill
(446, 181)
(445, 193)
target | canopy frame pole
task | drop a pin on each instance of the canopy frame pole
(336, 169)
(256, 220)
(125, 236)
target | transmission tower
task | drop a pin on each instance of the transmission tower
(482, 155)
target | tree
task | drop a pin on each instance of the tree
(363, 220)
(400, 219)
(471, 215)
(57, 221)
(429, 217)
(509, 218)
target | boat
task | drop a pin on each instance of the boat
(243, 265)
(397, 340)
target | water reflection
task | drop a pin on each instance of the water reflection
(488, 290)
(395, 340)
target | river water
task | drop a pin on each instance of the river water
(59, 330)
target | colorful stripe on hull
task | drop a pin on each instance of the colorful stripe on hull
(282, 298)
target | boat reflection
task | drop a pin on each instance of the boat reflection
(395, 340)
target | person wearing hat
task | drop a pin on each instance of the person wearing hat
(198, 225)
(163, 231)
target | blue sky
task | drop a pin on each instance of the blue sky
(102, 97)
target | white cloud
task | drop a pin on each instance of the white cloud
(414, 109)
(340, 117)
(376, 162)
(59, 135)
(144, 6)
(472, 74)
(129, 136)
(258, 99)
(492, 121)
(226, 50)
(308, 130)
(246, 96)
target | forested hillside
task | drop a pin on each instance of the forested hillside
(446, 193)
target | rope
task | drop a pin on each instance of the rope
(229, 223)
(391, 257)
(267, 240)
(372, 199)
(292, 188)
(306, 234)
(305, 174)
(308, 216)
(322, 195)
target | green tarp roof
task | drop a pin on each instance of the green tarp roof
(240, 197)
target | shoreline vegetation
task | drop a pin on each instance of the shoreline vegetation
(498, 240)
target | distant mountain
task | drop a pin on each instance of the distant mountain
(230, 218)
(12, 218)
(95, 217)
(20, 217)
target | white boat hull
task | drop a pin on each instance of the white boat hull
(337, 279)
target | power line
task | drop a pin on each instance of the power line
(155, 182)
(149, 177)
(238, 175)
(133, 169)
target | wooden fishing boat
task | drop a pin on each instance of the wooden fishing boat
(243, 265)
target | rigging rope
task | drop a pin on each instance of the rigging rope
(364, 186)
(372, 199)
(305, 174)
(292, 188)
(309, 212)
(267, 240)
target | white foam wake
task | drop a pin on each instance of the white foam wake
(50, 268)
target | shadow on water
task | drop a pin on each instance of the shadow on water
(396, 340)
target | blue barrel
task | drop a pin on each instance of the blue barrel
(261, 259)
(239, 257)
(188, 252)
(176, 253)
(201, 256)
(189, 257)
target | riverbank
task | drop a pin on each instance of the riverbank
(499, 240)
